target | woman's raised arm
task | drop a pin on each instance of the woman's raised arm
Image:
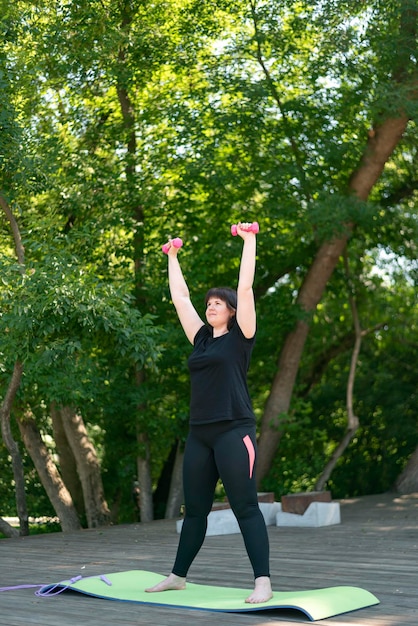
(187, 314)
(246, 315)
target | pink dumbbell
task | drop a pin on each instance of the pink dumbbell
(177, 243)
(254, 228)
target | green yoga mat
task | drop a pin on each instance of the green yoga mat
(129, 587)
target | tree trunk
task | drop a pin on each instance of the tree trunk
(352, 419)
(175, 496)
(278, 401)
(144, 479)
(407, 482)
(7, 530)
(88, 468)
(127, 108)
(48, 473)
(67, 462)
(380, 146)
(13, 448)
(6, 407)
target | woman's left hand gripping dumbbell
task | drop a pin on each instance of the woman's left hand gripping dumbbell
(175, 243)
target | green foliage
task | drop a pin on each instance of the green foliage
(384, 393)
(301, 454)
(62, 322)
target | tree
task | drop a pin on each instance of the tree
(388, 128)
(47, 332)
(149, 124)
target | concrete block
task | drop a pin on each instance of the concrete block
(223, 521)
(269, 511)
(264, 496)
(317, 514)
(299, 502)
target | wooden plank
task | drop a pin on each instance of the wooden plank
(375, 547)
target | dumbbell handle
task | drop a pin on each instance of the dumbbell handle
(254, 228)
(177, 243)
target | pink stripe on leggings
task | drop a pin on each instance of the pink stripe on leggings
(251, 453)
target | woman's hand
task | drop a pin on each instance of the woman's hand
(172, 244)
(246, 230)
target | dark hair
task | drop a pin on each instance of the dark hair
(228, 295)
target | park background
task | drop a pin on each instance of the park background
(125, 122)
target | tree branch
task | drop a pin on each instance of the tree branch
(20, 250)
(275, 94)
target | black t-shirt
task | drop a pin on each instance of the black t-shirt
(218, 373)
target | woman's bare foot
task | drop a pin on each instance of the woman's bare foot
(171, 582)
(262, 591)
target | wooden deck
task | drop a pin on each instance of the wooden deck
(374, 547)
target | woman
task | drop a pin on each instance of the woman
(222, 441)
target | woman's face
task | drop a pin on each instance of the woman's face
(217, 313)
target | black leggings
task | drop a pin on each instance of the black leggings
(225, 450)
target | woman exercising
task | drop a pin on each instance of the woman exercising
(221, 441)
